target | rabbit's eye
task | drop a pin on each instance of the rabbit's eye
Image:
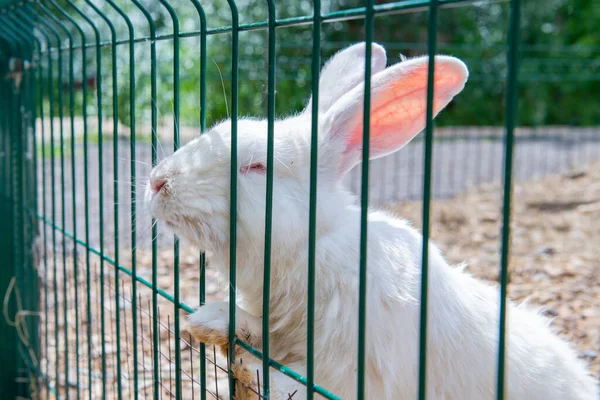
(254, 167)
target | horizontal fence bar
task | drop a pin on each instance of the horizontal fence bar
(98, 253)
(285, 370)
(335, 16)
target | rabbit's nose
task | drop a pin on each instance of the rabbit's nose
(157, 183)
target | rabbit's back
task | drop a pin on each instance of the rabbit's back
(463, 317)
(463, 332)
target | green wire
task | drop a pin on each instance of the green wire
(269, 198)
(101, 182)
(233, 190)
(16, 176)
(86, 183)
(154, 122)
(432, 28)
(115, 112)
(312, 218)
(53, 202)
(27, 30)
(73, 172)
(176, 107)
(55, 262)
(510, 122)
(63, 205)
(44, 208)
(202, 295)
(364, 212)
(22, 180)
(132, 189)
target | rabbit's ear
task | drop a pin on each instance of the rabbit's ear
(344, 71)
(398, 108)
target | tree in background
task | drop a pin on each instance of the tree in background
(559, 75)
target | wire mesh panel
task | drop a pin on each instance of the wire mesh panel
(97, 93)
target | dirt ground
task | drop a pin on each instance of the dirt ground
(555, 247)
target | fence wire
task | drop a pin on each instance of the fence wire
(97, 92)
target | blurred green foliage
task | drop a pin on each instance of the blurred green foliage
(559, 76)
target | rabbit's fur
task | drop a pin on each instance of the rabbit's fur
(463, 313)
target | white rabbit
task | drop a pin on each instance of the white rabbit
(190, 191)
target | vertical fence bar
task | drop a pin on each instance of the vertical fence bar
(16, 200)
(6, 378)
(9, 357)
(15, 197)
(115, 115)
(23, 229)
(155, 315)
(28, 8)
(29, 178)
(133, 199)
(510, 122)
(36, 90)
(154, 123)
(44, 249)
(132, 189)
(86, 178)
(176, 108)
(23, 274)
(28, 115)
(12, 260)
(202, 294)
(269, 197)
(73, 172)
(23, 14)
(63, 213)
(116, 209)
(32, 196)
(312, 217)
(432, 28)
(364, 197)
(233, 189)
(101, 175)
(63, 202)
(42, 171)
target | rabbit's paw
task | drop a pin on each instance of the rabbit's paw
(210, 324)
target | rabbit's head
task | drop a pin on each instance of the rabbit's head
(190, 190)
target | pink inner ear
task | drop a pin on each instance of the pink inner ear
(398, 108)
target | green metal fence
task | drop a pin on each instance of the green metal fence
(99, 337)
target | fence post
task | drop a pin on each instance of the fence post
(8, 351)
(18, 272)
